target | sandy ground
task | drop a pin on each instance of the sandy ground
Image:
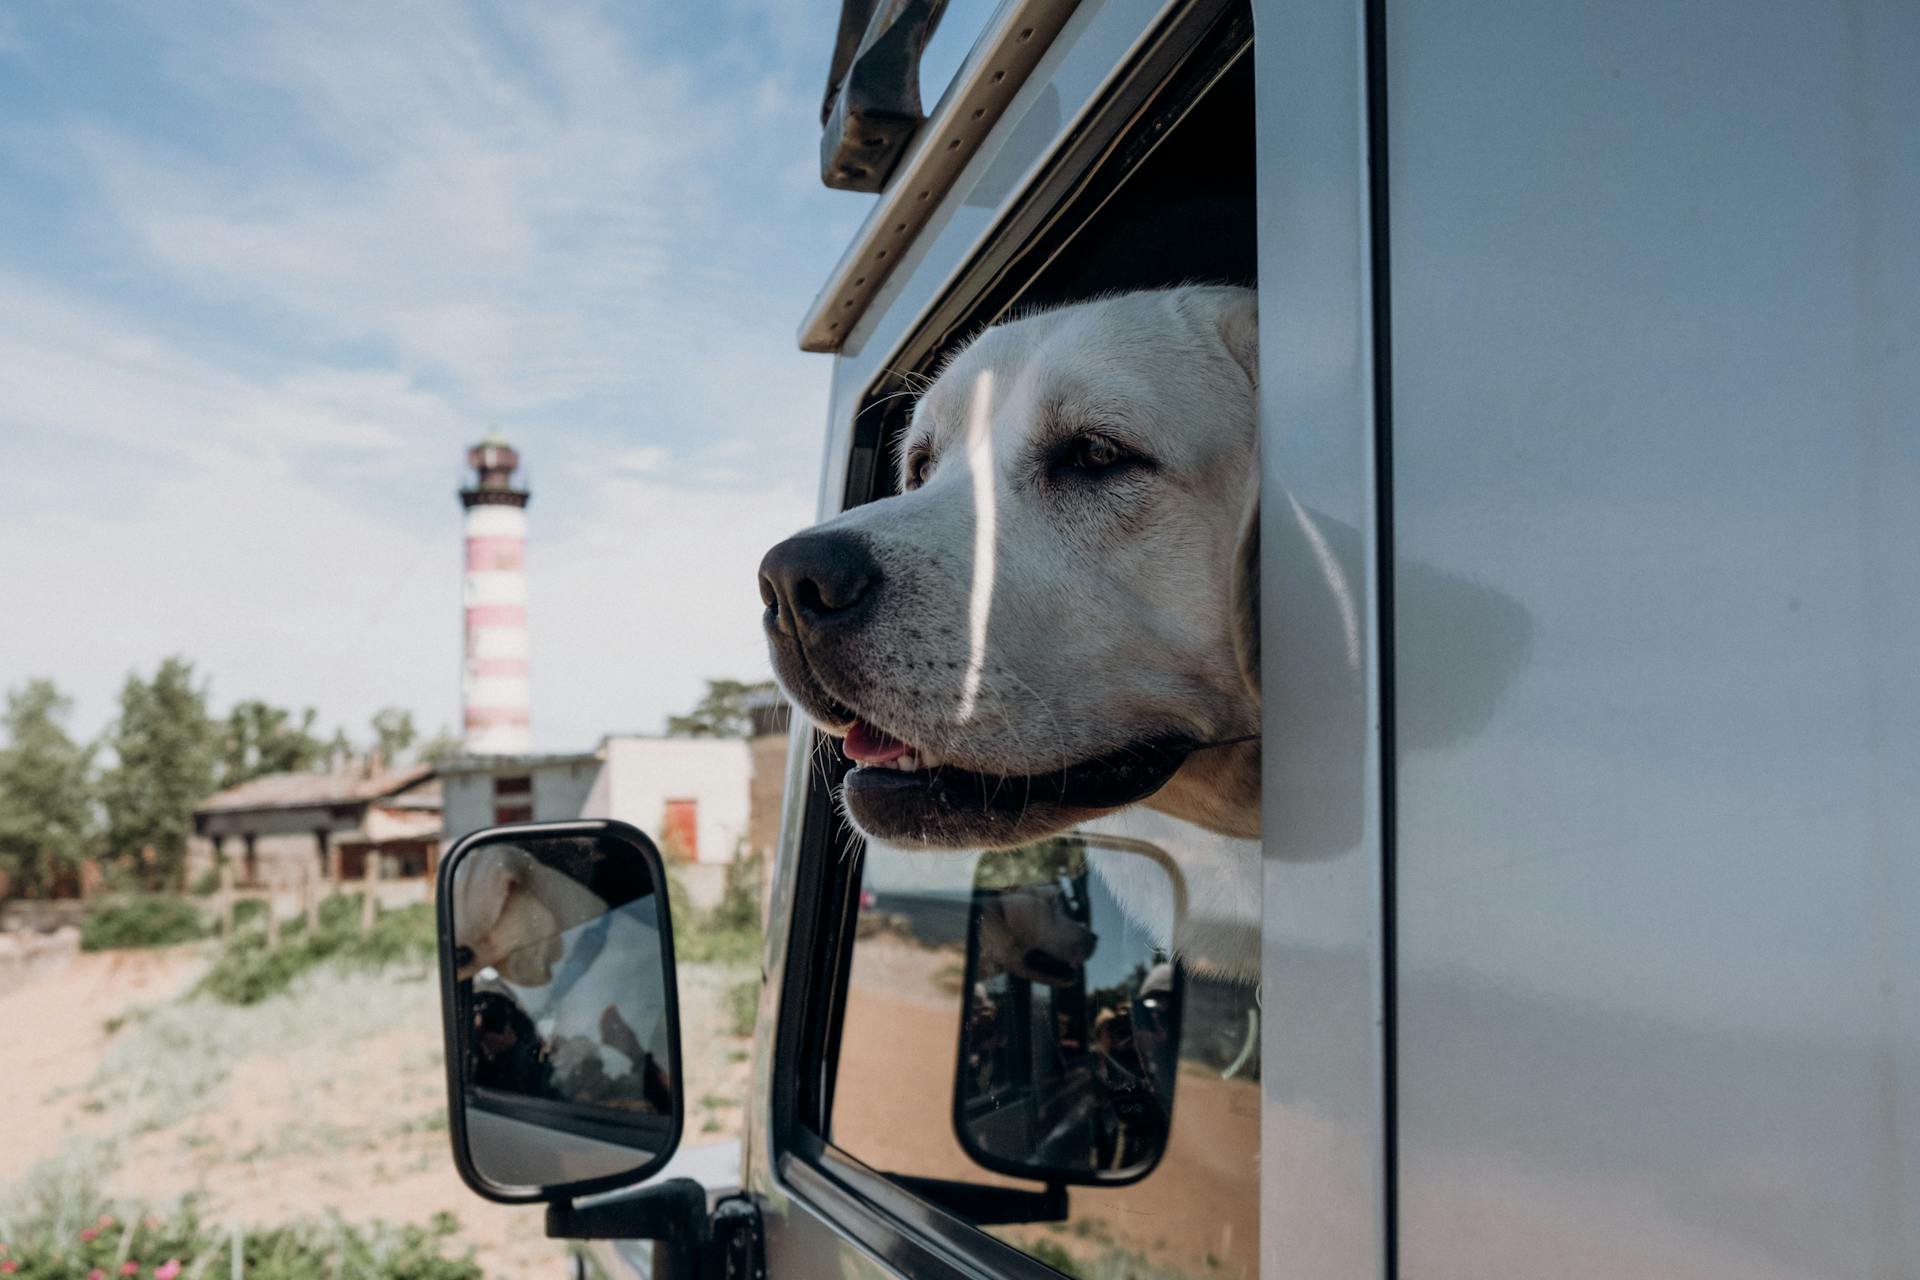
(330, 1099)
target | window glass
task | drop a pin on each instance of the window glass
(1001, 1020)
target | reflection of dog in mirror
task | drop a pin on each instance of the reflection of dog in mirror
(596, 968)
(511, 912)
(1025, 930)
(1057, 612)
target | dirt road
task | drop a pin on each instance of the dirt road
(329, 1099)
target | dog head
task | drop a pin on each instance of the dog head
(1025, 930)
(511, 914)
(1057, 608)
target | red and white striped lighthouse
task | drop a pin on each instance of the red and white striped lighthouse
(494, 686)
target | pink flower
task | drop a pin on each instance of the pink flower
(167, 1270)
(96, 1274)
(105, 1220)
(8, 1267)
(90, 1234)
(129, 1268)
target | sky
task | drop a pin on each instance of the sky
(267, 269)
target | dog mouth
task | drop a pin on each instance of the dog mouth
(912, 797)
(889, 769)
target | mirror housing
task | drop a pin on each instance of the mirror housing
(1072, 995)
(560, 1011)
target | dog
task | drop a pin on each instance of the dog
(1056, 617)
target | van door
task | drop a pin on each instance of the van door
(1654, 287)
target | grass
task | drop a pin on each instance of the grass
(248, 972)
(148, 920)
(700, 944)
(60, 1226)
(743, 1006)
(171, 1061)
(730, 934)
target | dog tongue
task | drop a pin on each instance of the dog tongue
(867, 745)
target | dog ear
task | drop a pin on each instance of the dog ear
(480, 888)
(1245, 602)
(1239, 322)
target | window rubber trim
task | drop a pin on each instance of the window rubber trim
(911, 1235)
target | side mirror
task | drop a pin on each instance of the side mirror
(562, 1027)
(1069, 1046)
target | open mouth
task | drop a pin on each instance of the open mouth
(898, 771)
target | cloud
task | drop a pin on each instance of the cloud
(641, 460)
(536, 228)
(657, 593)
(71, 365)
(399, 225)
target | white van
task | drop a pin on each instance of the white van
(1588, 904)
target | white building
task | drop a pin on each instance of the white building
(691, 795)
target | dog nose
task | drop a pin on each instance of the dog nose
(817, 580)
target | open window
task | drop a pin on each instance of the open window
(888, 1001)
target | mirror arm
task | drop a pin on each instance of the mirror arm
(988, 1206)
(673, 1212)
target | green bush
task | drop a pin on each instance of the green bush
(63, 1228)
(151, 920)
(730, 933)
(247, 972)
(743, 1006)
(698, 942)
(739, 905)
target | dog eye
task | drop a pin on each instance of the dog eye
(1093, 455)
(918, 464)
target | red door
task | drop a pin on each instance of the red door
(680, 832)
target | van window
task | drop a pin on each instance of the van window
(895, 1037)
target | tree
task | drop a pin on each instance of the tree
(46, 793)
(339, 751)
(163, 748)
(393, 733)
(721, 713)
(258, 738)
(441, 747)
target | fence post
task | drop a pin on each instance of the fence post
(226, 901)
(273, 921)
(239, 1262)
(366, 894)
(310, 901)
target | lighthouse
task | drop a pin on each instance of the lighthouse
(494, 689)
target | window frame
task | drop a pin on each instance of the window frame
(1172, 71)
